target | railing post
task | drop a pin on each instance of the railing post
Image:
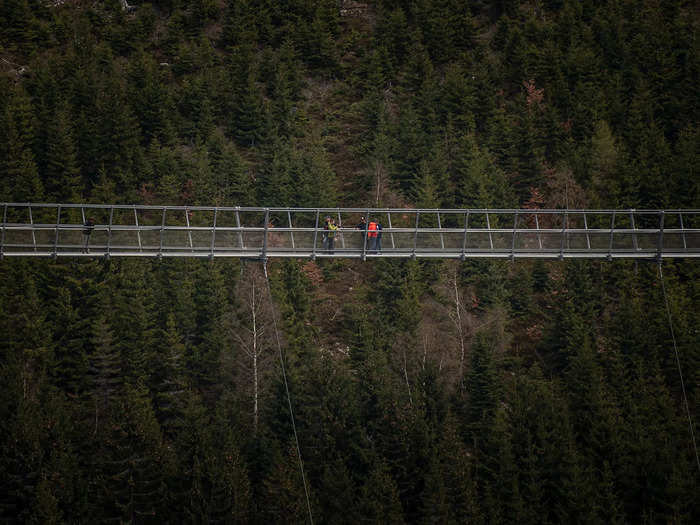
(391, 234)
(612, 229)
(162, 228)
(488, 226)
(464, 240)
(213, 234)
(515, 227)
(31, 222)
(342, 237)
(58, 222)
(109, 231)
(291, 233)
(415, 235)
(588, 236)
(680, 216)
(442, 239)
(138, 229)
(660, 242)
(189, 232)
(564, 235)
(313, 249)
(537, 226)
(364, 236)
(634, 233)
(87, 241)
(267, 223)
(238, 225)
(2, 239)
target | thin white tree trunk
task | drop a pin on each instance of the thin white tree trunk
(405, 374)
(460, 329)
(255, 361)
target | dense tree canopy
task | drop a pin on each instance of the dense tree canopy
(424, 392)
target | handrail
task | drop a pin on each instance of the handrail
(251, 232)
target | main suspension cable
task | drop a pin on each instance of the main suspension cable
(678, 362)
(286, 387)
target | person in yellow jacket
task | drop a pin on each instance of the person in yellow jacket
(330, 235)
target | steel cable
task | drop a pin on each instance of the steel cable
(678, 362)
(286, 387)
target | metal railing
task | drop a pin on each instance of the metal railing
(53, 230)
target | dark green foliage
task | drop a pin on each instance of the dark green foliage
(423, 392)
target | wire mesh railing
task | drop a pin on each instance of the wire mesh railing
(76, 230)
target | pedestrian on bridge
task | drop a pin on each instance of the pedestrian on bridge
(372, 237)
(89, 226)
(332, 229)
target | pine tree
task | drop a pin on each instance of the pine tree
(284, 498)
(425, 188)
(106, 370)
(130, 486)
(246, 126)
(604, 159)
(62, 177)
(379, 498)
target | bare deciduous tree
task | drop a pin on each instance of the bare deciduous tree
(252, 332)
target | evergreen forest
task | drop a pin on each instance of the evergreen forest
(476, 392)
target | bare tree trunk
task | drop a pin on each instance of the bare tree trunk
(251, 333)
(255, 358)
(378, 171)
(405, 374)
(457, 319)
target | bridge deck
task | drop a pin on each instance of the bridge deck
(57, 230)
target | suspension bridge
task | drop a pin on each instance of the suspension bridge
(59, 230)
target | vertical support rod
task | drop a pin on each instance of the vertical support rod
(4, 225)
(388, 218)
(464, 240)
(442, 238)
(82, 215)
(291, 233)
(109, 230)
(415, 234)
(488, 226)
(313, 250)
(138, 229)
(213, 234)
(660, 242)
(31, 221)
(612, 229)
(238, 225)
(537, 226)
(588, 236)
(162, 228)
(342, 237)
(634, 234)
(515, 227)
(189, 232)
(564, 235)
(267, 225)
(58, 222)
(685, 246)
(364, 236)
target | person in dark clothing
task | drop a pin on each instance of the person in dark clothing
(362, 225)
(88, 228)
(378, 244)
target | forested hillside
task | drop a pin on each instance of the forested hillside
(524, 392)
